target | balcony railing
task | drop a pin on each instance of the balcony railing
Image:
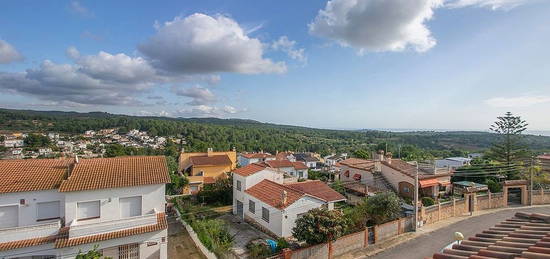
(28, 232)
(78, 230)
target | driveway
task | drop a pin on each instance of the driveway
(242, 232)
(426, 245)
(180, 244)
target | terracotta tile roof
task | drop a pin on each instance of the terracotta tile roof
(428, 183)
(357, 163)
(401, 166)
(208, 180)
(24, 175)
(279, 163)
(249, 169)
(103, 173)
(318, 189)
(299, 165)
(257, 155)
(210, 160)
(27, 242)
(523, 236)
(271, 193)
(65, 241)
(282, 155)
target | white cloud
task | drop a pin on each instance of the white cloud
(199, 95)
(377, 25)
(103, 79)
(8, 53)
(521, 101)
(77, 8)
(208, 111)
(289, 47)
(204, 44)
(493, 4)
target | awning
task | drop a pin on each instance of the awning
(444, 182)
(428, 183)
(357, 177)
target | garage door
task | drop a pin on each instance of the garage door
(9, 216)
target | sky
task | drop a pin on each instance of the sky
(341, 64)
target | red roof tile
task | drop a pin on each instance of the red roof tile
(103, 173)
(65, 241)
(318, 189)
(249, 169)
(257, 155)
(215, 160)
(299, 165)
(27, 242)
(271, 193)
(23, 175)
(357, 163)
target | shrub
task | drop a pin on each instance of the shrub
(257, 251)
(383, 207)
(319, 226)
(427, 201)
(282, 244)
(213, 234)
(493, 186)
(220, 192)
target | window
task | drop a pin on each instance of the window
(130, 206)
(9, 216)
(301, 174)
(201, 173)
(251, 206)
(87, 210)
(48, 210)
(238, 185)
(265, 214)
(129, 251)
(406, 189)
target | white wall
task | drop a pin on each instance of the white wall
(275, 215)
(290, 214)
(366, 176)
(251, 180)
(28, 212)
(152, 198)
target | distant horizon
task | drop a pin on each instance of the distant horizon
(528, 131)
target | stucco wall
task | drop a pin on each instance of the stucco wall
(366, 176)
(152, 198)
(394, 177)
(290, 214)
(28, 212)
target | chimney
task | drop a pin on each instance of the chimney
(284, 198)
(234, 149)
(379, 155)
(209, 152)
(182, 150)
(76, 159)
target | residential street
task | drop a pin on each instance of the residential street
(425, 245)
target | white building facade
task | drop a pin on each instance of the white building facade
(57, 220)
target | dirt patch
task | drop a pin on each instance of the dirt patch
(180, 244)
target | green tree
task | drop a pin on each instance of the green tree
(92, 254)
(177, 182)
(361, 153)
(383, 207)
(509, 148)
(319, 226)
(37, 140)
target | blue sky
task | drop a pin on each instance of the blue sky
(440, 64)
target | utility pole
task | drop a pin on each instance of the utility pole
(531, 169)
(416, 199)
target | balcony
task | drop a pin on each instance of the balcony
(28, 232)
(79, 230)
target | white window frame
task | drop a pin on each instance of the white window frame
(44, 219)
(140, 206)
(88, 218)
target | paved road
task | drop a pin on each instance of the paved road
(425, 245)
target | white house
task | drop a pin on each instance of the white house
(14, 143)
(296, 169)
(54, 208)
(453, 162)
(245, 159)
(261, 197)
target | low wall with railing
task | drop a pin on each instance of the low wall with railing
(354, 241)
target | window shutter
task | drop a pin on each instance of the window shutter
(9, 216)
(48, 210)
(87, 210)
(130, 206)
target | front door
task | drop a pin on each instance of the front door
(240, 210)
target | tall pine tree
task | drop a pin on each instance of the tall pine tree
(509, 149)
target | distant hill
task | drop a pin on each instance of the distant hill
(251, 135)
